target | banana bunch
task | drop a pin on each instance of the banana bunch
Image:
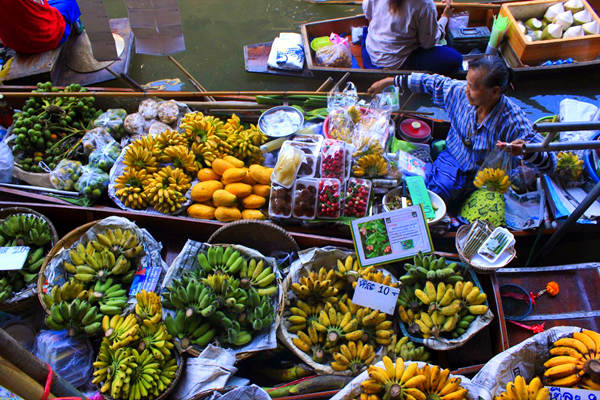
(121, 242)
(376, 327)
(166, 189)
(88, 264)
(221, 260)
(302, 315)
(471, 297)
(337, 326)
(312, 342)
(354, 357)
(493, 179)
(24, 230)
(373, 274)
(120, 331)
(68, 292)
(569, 166)
(202, 135)
(112, 368)
(255, 274)
(394, 382)
(180, 156)
(139, 156)
(191, 296)
(227, 292)
(246, 145)
(190, 331)
(439, 385)
(13, 281)
(430, 268)
(148, 308)
(408, 304)
(129, 188)
(348, 270)
(370, 166)
(78, 316)
(406, 350)
(111, 298)
(520, 390)
(261, 313)
(156, 339)
(316, 287)
(232, 332)
(575, 360)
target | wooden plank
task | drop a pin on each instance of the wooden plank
(33, 65)
(255, 60)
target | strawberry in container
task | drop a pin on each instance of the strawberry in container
(329, 205)
(356, 197)
(333, 159)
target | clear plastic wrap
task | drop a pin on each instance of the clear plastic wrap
(66, 173)
(280, 203)
(92, 183)
(305, 199)
(356, 197)
(329, 198)
(287, 166)
(96, 138)
(104, 158)
(168, 111)
(308, 167)
(157, 127)
(333, 159)
(344, 99)
(112, 120)
(494, 173)
(134, 124)
(336, 55)
(148, 109)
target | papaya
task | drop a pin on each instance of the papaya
(223, 198)
(260, 174)
(203, 191)
(201, 211)
(261, 190)
(207, 174)
(252, 214)
(233, 175)
(239, 189)
(236, 162)
(219, 166)
(227, 214)
(253, 201)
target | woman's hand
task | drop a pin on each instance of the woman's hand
(448, 10)
(381, 84)
(515, 148)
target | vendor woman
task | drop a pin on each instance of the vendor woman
(481, 117)
(35, 26)
(402, 35)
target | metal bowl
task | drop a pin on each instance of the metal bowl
(274, 131)
(436, 201)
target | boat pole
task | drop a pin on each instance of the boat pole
(194, 81)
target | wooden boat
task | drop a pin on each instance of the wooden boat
(52, 65)
(479, 15)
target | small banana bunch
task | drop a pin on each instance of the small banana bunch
(374, 275)
(569, 166)
(302, 315)
(430, 268)
(394, 382)
(166, 189)
(121, 242)
(76, 317)
(316, 286)
(353, 357)
(261, 313)
(493, 179)
(148, 308)
(68, 292)
(377, 328)
(111, 298)
(349, 269)
(256, 275)
(370, 166)
(575, 361)
(520, 390)
(337, 326)
(129, 188)
(190, 331)
(221, 260)
(439, 385)
(311, 343)
(89, 265)
(120, 331)
(406, 350)
(191, 296)
(408, 304)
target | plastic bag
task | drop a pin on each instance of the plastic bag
(112, 120)
(157, 127)
(148, 109)
(168, 111)
(287, 52)
(95, 139)
(341, 125)
(104, 158)
(336, 55)
(6, 163)
(523, 179)
(92, 183)
(344, 99)
(494, 173)
(69, 357)
(66, 173)
(134, 124)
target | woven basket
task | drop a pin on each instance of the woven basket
(33, 178)
(27, 302)
(67, 241)
(262, 236)
(461, 233)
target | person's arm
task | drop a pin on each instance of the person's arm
(544, 161)
(443, 21)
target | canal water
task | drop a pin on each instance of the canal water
(216, 30)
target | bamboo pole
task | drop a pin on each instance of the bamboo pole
(194, 81)
(159, 93)
(325, 84)
(245, 105)
(19, 382)
(491, 4)
(12, 351)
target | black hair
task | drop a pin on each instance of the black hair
(497, 72)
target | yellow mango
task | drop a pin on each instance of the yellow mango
(239, 189)
(252, 214)
(260, 174)
(203, 191)
(236, 162)
(227, 214)
(261, 190)
(233, 175)
(253, 201)
(220, 166)
(201, 211)
(207, 174)
(223, 198)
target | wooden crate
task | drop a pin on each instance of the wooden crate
(584, 48)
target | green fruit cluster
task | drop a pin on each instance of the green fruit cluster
(47, 128)
(23, 230)
(407, 350)
(77, 317)
(227, 299)
(430, 268)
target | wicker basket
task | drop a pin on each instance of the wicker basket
(67, 241)
(262, 236)
(461, 233)
(33, 178)
(23, 304)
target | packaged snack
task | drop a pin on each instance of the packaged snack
(356, 197)
(333, 159)
(329, 205)
(305, 199)
(308, 167)
(287, 166)
(66, 173)
(280, 204)
(336, 55)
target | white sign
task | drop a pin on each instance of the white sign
(13, 258)
(375, 295)
(564, 393)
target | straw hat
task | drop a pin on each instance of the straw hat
(81, 59)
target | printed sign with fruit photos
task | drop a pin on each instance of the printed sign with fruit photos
(391, 236)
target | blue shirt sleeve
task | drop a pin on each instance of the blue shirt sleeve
(445, 92)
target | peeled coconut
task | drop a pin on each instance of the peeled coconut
(534, 24)
(564, 19)
(521, 27)
(553, 11)
(574, 5)
(552, 31)
(591, 28)
(582, 17)
(536, 35)
(573, 31)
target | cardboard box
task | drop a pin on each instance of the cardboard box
(583, 48)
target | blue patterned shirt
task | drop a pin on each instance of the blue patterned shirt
(468, 141)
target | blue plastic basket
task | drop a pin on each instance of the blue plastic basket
(476, 282)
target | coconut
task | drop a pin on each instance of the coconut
(573, 31)
(591, 28)
(528, 38)
(533, 24)
(552, 31)
(553, 11)
(537, 35)
(582, 17)
(521, 27)
(574, 5)
(564, 19)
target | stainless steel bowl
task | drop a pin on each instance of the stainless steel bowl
(273, 131)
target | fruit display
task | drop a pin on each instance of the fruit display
(49, 129)
(574, 361)
(520, 390)
(136, 359)
(356, 197)
(333, 159)
(95, 279)
(305, 199)
(229, 191)
(23, 230)
(493, 179)
(569, 167)
(227, 299)
(406, 350)
(322, 324)
(369, 161)
(430, 268)
(329, 196)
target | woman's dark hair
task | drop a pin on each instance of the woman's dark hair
(497, 72)
(394, 6)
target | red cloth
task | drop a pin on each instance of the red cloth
(29, 27)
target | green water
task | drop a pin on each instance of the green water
(216, 30)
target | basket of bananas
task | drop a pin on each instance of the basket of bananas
(20, 226)
(137, 358)
(321, 324)
(441, 305)
(406, 380)
(88, 273)
(222, 294)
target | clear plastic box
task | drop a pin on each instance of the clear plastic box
(333, 159)
(330, 199)
(356, 197)
(308, 167)
(280, 202)
(305, 198)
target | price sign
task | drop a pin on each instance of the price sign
(375, 295)
(13, 258)
(564, 393)
(145, 279)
